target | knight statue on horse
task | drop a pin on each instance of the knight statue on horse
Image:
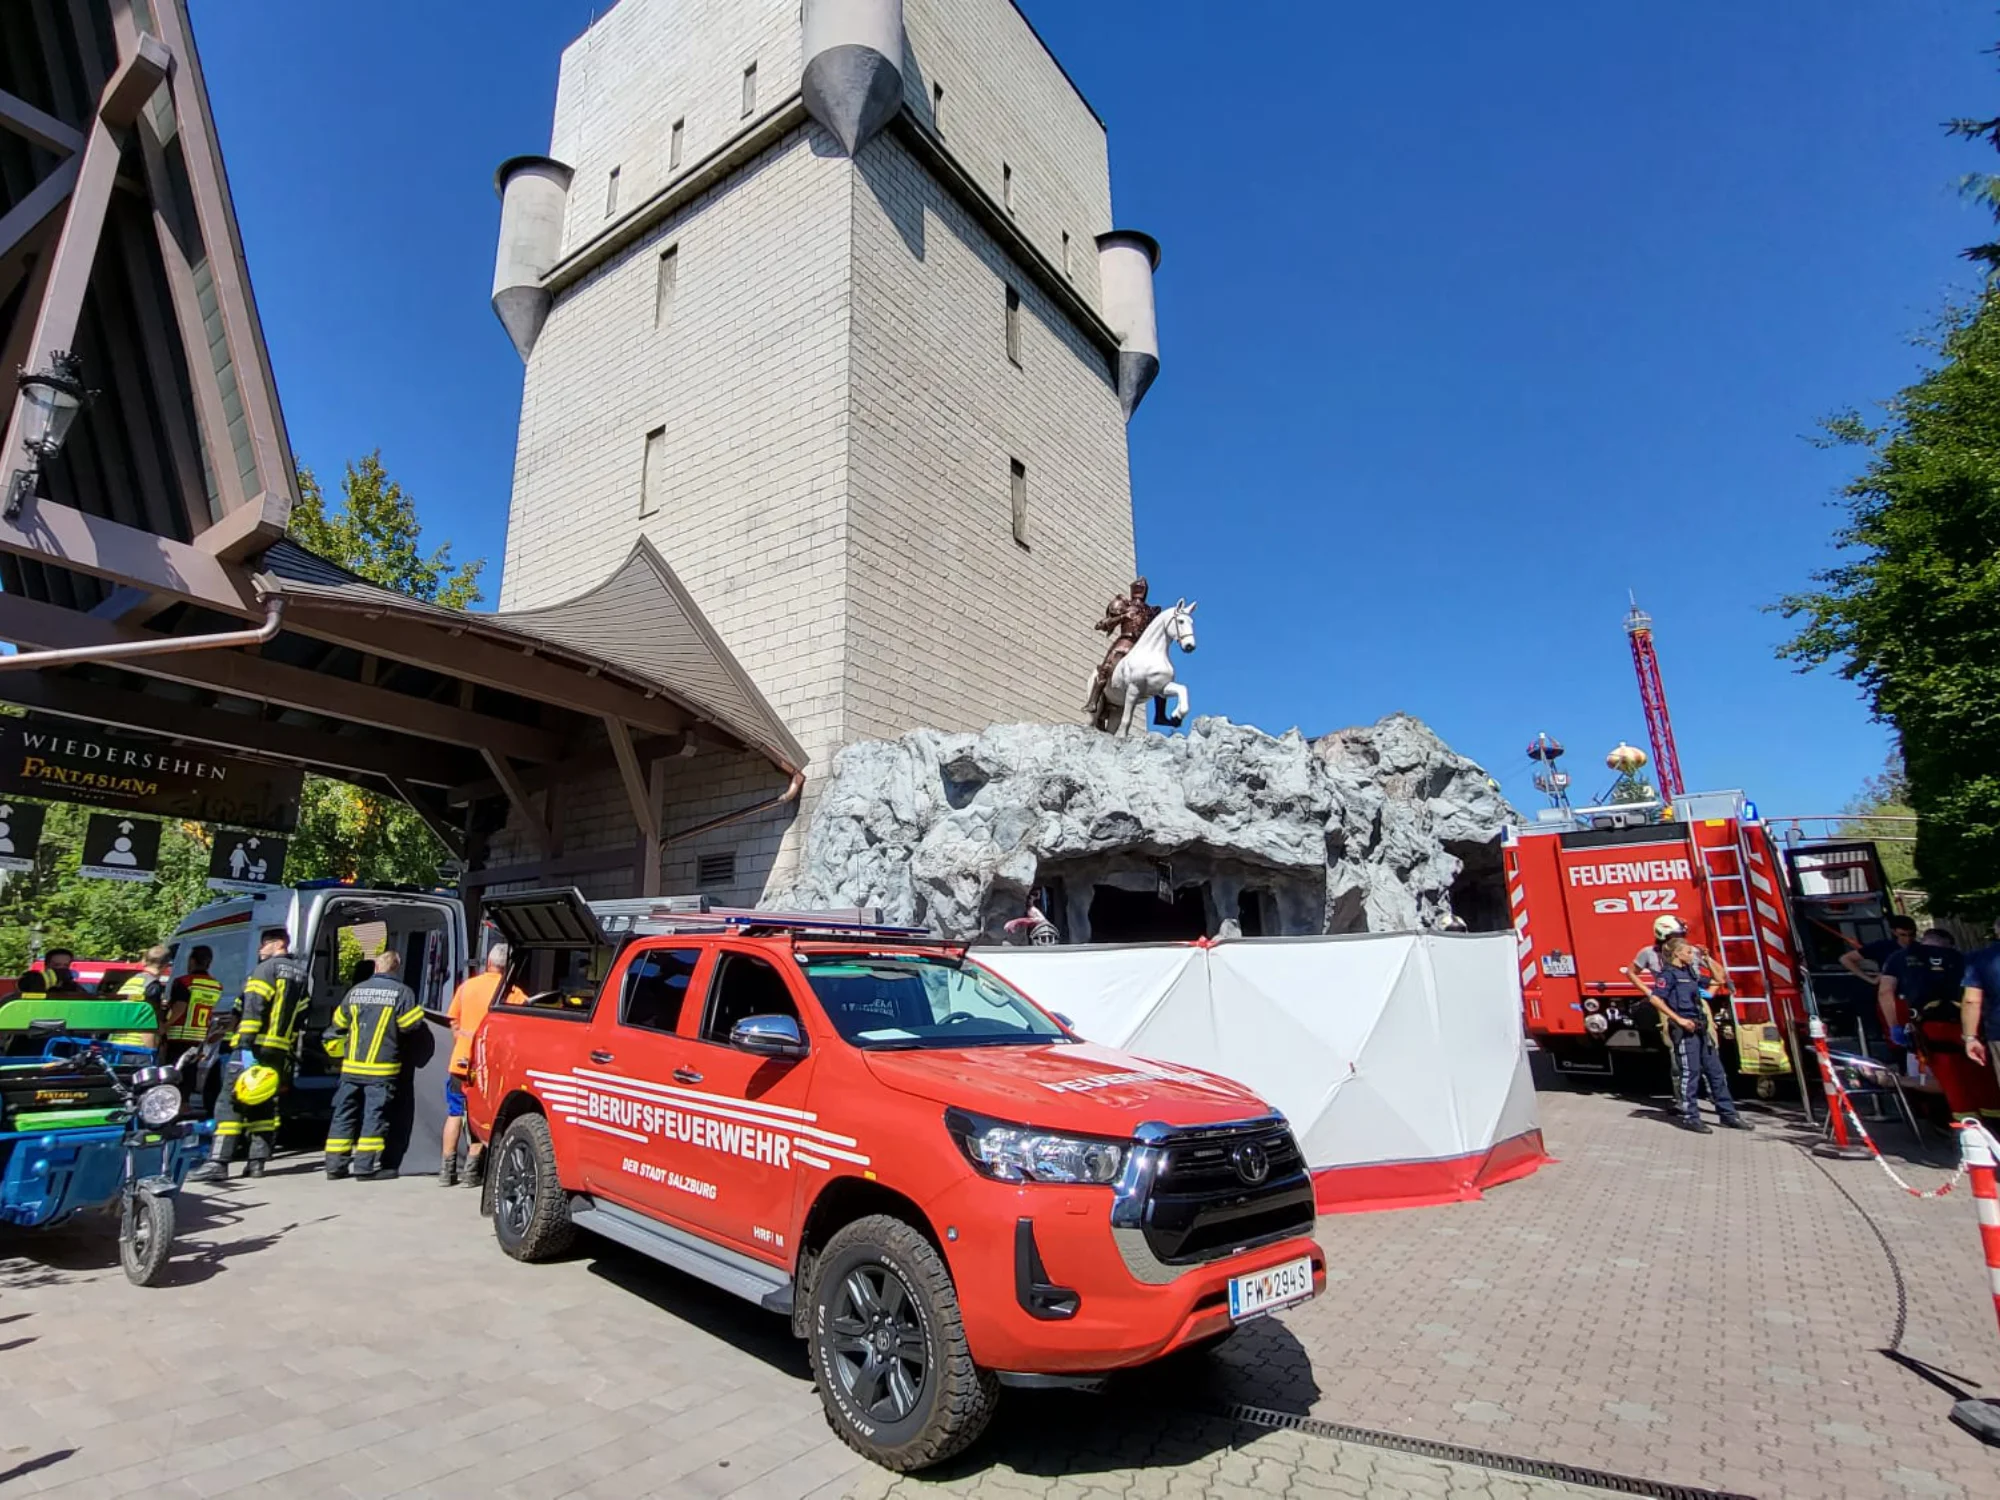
(1137, 668)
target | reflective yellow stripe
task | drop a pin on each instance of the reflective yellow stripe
(260, 1127)
(229, 1127)
(409, 1018)
(339, 1148)
(351, 1069)
(374, 1048)
(256, 987)
(369, 1143)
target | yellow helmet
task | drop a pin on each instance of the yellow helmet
(335, 1043)
(257, 1085)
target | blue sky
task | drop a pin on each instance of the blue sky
(1472, 317)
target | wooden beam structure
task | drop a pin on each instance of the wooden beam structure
(485, 662)
(519, 799)
(28, 623)
(418, 761)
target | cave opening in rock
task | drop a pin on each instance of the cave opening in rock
(1121, 916)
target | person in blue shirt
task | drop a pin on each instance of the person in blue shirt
(1979, 1006)
(1680, 994)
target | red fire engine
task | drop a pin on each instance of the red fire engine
(1585, 887)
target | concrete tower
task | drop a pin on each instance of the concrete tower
(828, 302)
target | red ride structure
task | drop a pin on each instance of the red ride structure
(1653, 697)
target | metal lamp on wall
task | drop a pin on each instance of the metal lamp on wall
(51, 400)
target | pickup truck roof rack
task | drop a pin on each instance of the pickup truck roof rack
(644, 918)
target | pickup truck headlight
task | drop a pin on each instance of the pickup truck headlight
(1020, 1153)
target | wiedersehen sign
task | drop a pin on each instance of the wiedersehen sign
(66, 762)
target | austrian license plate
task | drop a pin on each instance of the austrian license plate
(1264, 1291)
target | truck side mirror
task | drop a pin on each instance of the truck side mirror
(768, 1036)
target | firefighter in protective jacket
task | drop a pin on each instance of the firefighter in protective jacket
(369, 1029)
(266, 1034)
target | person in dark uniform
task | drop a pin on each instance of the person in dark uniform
(1866, 962)
(191, 1000)
(1930, 972)
(274, 997)
(57, 964)
(370, 1027)
(1680, 995)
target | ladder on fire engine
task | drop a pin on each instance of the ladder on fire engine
(1732, 919)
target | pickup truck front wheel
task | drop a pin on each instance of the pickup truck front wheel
(888, 1348)
(530, 1213)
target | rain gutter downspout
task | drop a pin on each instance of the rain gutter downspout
(274, 619)
(789, 794)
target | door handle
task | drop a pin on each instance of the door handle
(686, 1075)
(600, 1057)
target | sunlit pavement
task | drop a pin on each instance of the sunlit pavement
(1706, 1311)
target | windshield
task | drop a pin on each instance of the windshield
(878, 1002)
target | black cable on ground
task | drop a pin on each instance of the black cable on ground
(1506, 1463)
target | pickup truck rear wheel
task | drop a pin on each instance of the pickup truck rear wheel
(530, 1213)
(889, 1355)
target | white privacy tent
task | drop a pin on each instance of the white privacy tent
(1398, 1058)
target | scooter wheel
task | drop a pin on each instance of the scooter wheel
(145, 1236)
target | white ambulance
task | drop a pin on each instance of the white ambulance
(334, 926)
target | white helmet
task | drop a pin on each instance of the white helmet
(1666, 927)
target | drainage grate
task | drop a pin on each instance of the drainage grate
(1534, 1468)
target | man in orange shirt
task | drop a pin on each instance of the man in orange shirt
(468, 1008)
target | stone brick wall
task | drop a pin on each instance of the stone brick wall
(1007, 102)
(646, 63)
(952, 623)
(747, 378)
(836, 406)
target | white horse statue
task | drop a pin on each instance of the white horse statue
(1146, 672)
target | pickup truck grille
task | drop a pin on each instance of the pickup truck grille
(1202, 1207)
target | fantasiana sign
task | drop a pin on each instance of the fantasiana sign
(62, 761)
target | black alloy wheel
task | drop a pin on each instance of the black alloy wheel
(514, 1192)
(530, 1210)
(880, 1352)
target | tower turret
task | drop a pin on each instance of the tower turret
(533, 193)
(853, 81)
(1126, 261)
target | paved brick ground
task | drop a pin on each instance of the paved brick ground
(1707, 1311)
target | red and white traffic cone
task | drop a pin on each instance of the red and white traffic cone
(1842, 1144)
(1982, 1418)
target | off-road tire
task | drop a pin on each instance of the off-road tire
(530, 1211)
(145, 1237)
(956, 1399)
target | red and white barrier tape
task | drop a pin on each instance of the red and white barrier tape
(1839, 1106)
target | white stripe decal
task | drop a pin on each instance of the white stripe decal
(719, 1105)
(591, 1075)
(859, 1161)
(812, 1161)
(630, 1135)
(1768, 912)
(1989, 1212)
(1528, 974)
(1760, 882)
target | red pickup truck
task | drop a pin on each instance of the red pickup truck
(942, 1186)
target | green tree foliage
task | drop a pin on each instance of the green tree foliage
(1880, 813)
(345, 832)
(52, 906)
(1912, 611)
(376, 534)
